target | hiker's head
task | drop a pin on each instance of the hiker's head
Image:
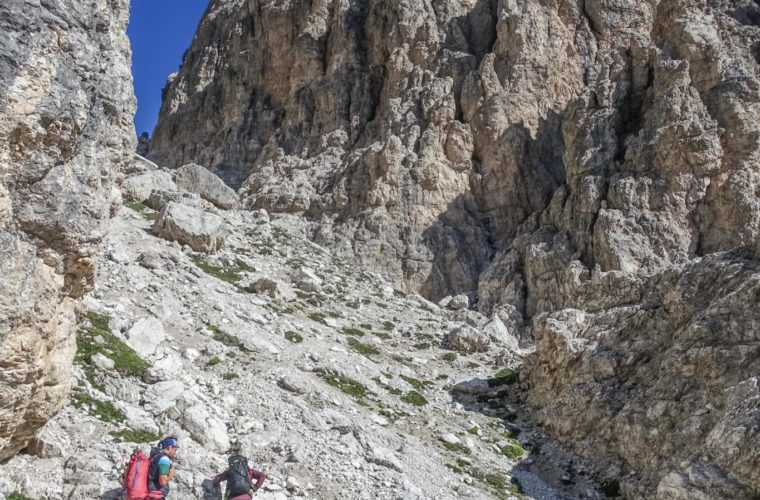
(169, 445)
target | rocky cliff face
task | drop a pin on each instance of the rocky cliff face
(66, 103)
(574, 165)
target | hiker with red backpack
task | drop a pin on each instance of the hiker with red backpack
(240, 477)
(148, 478)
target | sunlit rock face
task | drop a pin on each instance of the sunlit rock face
(587, 170)
(66, 107)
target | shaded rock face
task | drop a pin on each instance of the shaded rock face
(549, 157)
(66, 103)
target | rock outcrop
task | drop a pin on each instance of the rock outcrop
(588, 170)
(66, 107)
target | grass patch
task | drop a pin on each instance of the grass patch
(399, 294)
(134, 436)
(366, 326)
(390, 389)
(317, 317)
(362, 348)
(214, 361)
(419, 385)
(422, 346)
(473, 364)
(388, 326)
(150, 216)
(381, 335)
(294, 337)
(414, 398)
(224, 338)
(442, 376)
(505, 377)
(457, 448)
(228, 275)
(473, 430)
(492, 479)
(230, 376)
(126, 361)
(347, 330)
(449, 356)
(512, 450)
(136, 206)
(455, 469)
(17, 496)
(344, 384)
(101, 409)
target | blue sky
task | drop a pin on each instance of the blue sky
(160, 31)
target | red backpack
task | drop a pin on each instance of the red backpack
(136, 476)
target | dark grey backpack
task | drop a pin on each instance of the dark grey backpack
(238, 482)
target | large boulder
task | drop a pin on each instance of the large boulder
(208, 430)
(467, 339)
(146, 335)
(201, 231)
(139, 186)
(197, 179)
(66, 107)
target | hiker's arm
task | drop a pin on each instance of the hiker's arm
(260, 477)
(219, 478)
(163, 479)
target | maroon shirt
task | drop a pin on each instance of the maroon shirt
(259, 476)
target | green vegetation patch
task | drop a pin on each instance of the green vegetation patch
(224, 338)
(492, 479)
(230, 275)
(347, 330)
(421, 346)
(214, 361)
(317, 317)
(513, 450)
(103, 410)
(390, 389)
(505, 377)
(230, 376)
(17, 496)
(456, 448)
(294, 337)
(96, 338)
(419, 385)
(388, 326)
(136, 206)
(362, 348)
(134, 436)
(414, 398)
(345, 384)
(449, 356)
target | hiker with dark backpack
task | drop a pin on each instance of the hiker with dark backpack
(240, 477)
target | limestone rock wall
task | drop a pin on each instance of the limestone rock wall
(66, 107)
(545, 156)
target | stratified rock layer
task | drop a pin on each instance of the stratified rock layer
(66, 103)
(548, 157)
